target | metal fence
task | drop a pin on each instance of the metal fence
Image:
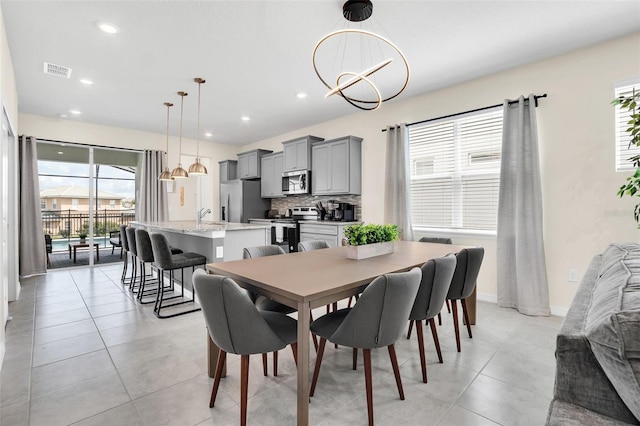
(68, 224)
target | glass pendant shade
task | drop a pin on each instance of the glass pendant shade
(197, 168)
(179, 172)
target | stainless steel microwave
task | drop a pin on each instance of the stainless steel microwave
(297, 182)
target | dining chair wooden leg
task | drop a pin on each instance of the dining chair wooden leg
(222, 358)
(368, 383)
(264, 365)
(355, 358)
(314, 338)
(448, 307)
(456, 328)
(423, 357)
(316, 370)
(275, 363)
(244, 388)
(410, 328)
(466, 316)
(294, 349)
(436, 341)
(396, 369)
(439, 319)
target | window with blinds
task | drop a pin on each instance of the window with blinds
(623, 150)
(455, 172)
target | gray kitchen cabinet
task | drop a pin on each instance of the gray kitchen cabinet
(297, 153)
(249, 163)
(228, 170)
(336, 166)
(271, 172)
(332, 233)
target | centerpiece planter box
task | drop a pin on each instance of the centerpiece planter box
(369, 250)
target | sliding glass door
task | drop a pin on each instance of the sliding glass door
(86, 193)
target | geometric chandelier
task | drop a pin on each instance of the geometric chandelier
(364, 68)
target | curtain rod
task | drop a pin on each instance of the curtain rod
(536, 97)
(86, 145)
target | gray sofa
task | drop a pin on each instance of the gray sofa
(598, 347)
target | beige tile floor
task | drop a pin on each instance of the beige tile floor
(80, 350)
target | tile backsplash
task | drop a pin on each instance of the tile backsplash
(282, 204)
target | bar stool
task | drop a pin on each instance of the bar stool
(164, 260)
(145, 256)
(125, 248)
(131, 240)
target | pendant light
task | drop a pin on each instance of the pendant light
(198, 168)
(165, 176)
(179, 172)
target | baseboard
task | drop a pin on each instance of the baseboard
(487, 297)
(559, 311)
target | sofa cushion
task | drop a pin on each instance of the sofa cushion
(612, 326)
(566, 414)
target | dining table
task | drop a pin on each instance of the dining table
(311, 279)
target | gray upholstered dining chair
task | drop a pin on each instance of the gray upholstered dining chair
(375, 321)
(312, 245)
(236, 326)
(165, 260)
(264, 303)
(468, 262)
(434, 286)
(435, 240)
(133, 252)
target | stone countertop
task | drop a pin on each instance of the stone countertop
(206, 228)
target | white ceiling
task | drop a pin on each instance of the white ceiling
(256, 55)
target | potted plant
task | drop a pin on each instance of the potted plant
(83, 237)
(632, 187)
(369, 240)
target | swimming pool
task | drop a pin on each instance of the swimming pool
(63, 244)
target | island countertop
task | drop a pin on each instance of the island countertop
(206, 228)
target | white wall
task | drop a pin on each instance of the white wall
(582, 213)
(77, 131)
(576, 131)
(9, 98)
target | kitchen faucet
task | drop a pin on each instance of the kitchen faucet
(201, 213)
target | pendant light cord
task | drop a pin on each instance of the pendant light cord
(198, 126)
(181, 113)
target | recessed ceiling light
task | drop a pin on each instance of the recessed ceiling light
(62, 115)
(60, 152)
(75, 112)
(108, 28)
(208, 134)
(301, 95)
(245, 118)
(86, 81)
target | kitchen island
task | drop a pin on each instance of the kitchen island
(217, 241)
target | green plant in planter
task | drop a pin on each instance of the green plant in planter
(360, 234)
(632, 187)
(82, 235)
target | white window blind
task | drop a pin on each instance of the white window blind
(623, 150)
(455, 172)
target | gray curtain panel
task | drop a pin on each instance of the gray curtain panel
(33, 255)
(397, 188)
(522, 271)
(152, 205)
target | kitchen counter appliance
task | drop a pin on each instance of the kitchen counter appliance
(296, 182)
(285, 232)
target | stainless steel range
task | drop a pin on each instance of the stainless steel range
(285, 232)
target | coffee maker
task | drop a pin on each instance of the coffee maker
(345, 212)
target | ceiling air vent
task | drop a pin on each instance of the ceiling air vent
(57, 70)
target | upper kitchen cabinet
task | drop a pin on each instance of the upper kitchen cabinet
(249, 163)
(228, 170)
(271, 181)
(297, 153)
(336, 167)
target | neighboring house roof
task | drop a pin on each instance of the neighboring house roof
(73, 191)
